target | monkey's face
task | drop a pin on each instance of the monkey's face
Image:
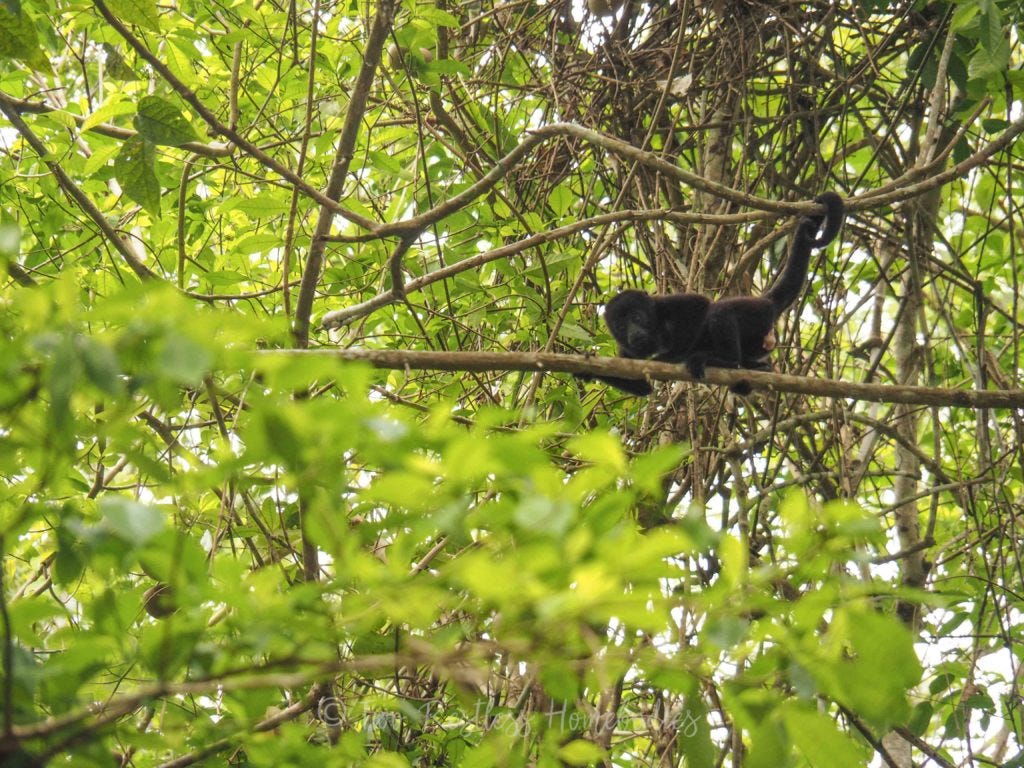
(632, 318)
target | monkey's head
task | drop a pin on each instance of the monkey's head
(632, 318)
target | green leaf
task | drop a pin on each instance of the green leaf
(561, 682)
(436, 16)
(735, 561)
(182, 360)
(963, 15)
(650, 469)
(987, 62)
(100, 365)
(70, 558)
(10, 239)
(921, 717)
(19, 40)
(581, 752)
(133, 522)
(134, 169)
(80, 660)
(385, 162)
(819, 741)
(561, 200)
(116, 66)
(100, 158)
(876, 664)
(25, 613)
(601, 449)
(140, 12)
(542, 515)
(694, 733)
(387, 760)
(993, 37)
(281, 437)
(162, 123)
(62, 382)
(726, 631)
(263, 206)
(769, 746)
(112, 108)
(172, 557)
(449, 67)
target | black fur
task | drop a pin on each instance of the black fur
(729, 333)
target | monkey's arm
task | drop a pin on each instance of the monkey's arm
(638, 387)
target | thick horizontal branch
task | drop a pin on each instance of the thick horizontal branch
(623, 368)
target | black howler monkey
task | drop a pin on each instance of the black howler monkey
(736, 332)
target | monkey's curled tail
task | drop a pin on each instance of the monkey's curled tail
(835, 213)
(789, 284)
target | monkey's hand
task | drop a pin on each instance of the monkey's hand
(741, 388)
(696, 364)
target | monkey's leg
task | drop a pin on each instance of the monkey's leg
(724, 330)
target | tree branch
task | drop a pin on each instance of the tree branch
(77, 195)
(340, 317)
(23, 106)
(638, 369)
(899, 189)
(224, 130)
(379, 28)
(932, 175)
(652, 160)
